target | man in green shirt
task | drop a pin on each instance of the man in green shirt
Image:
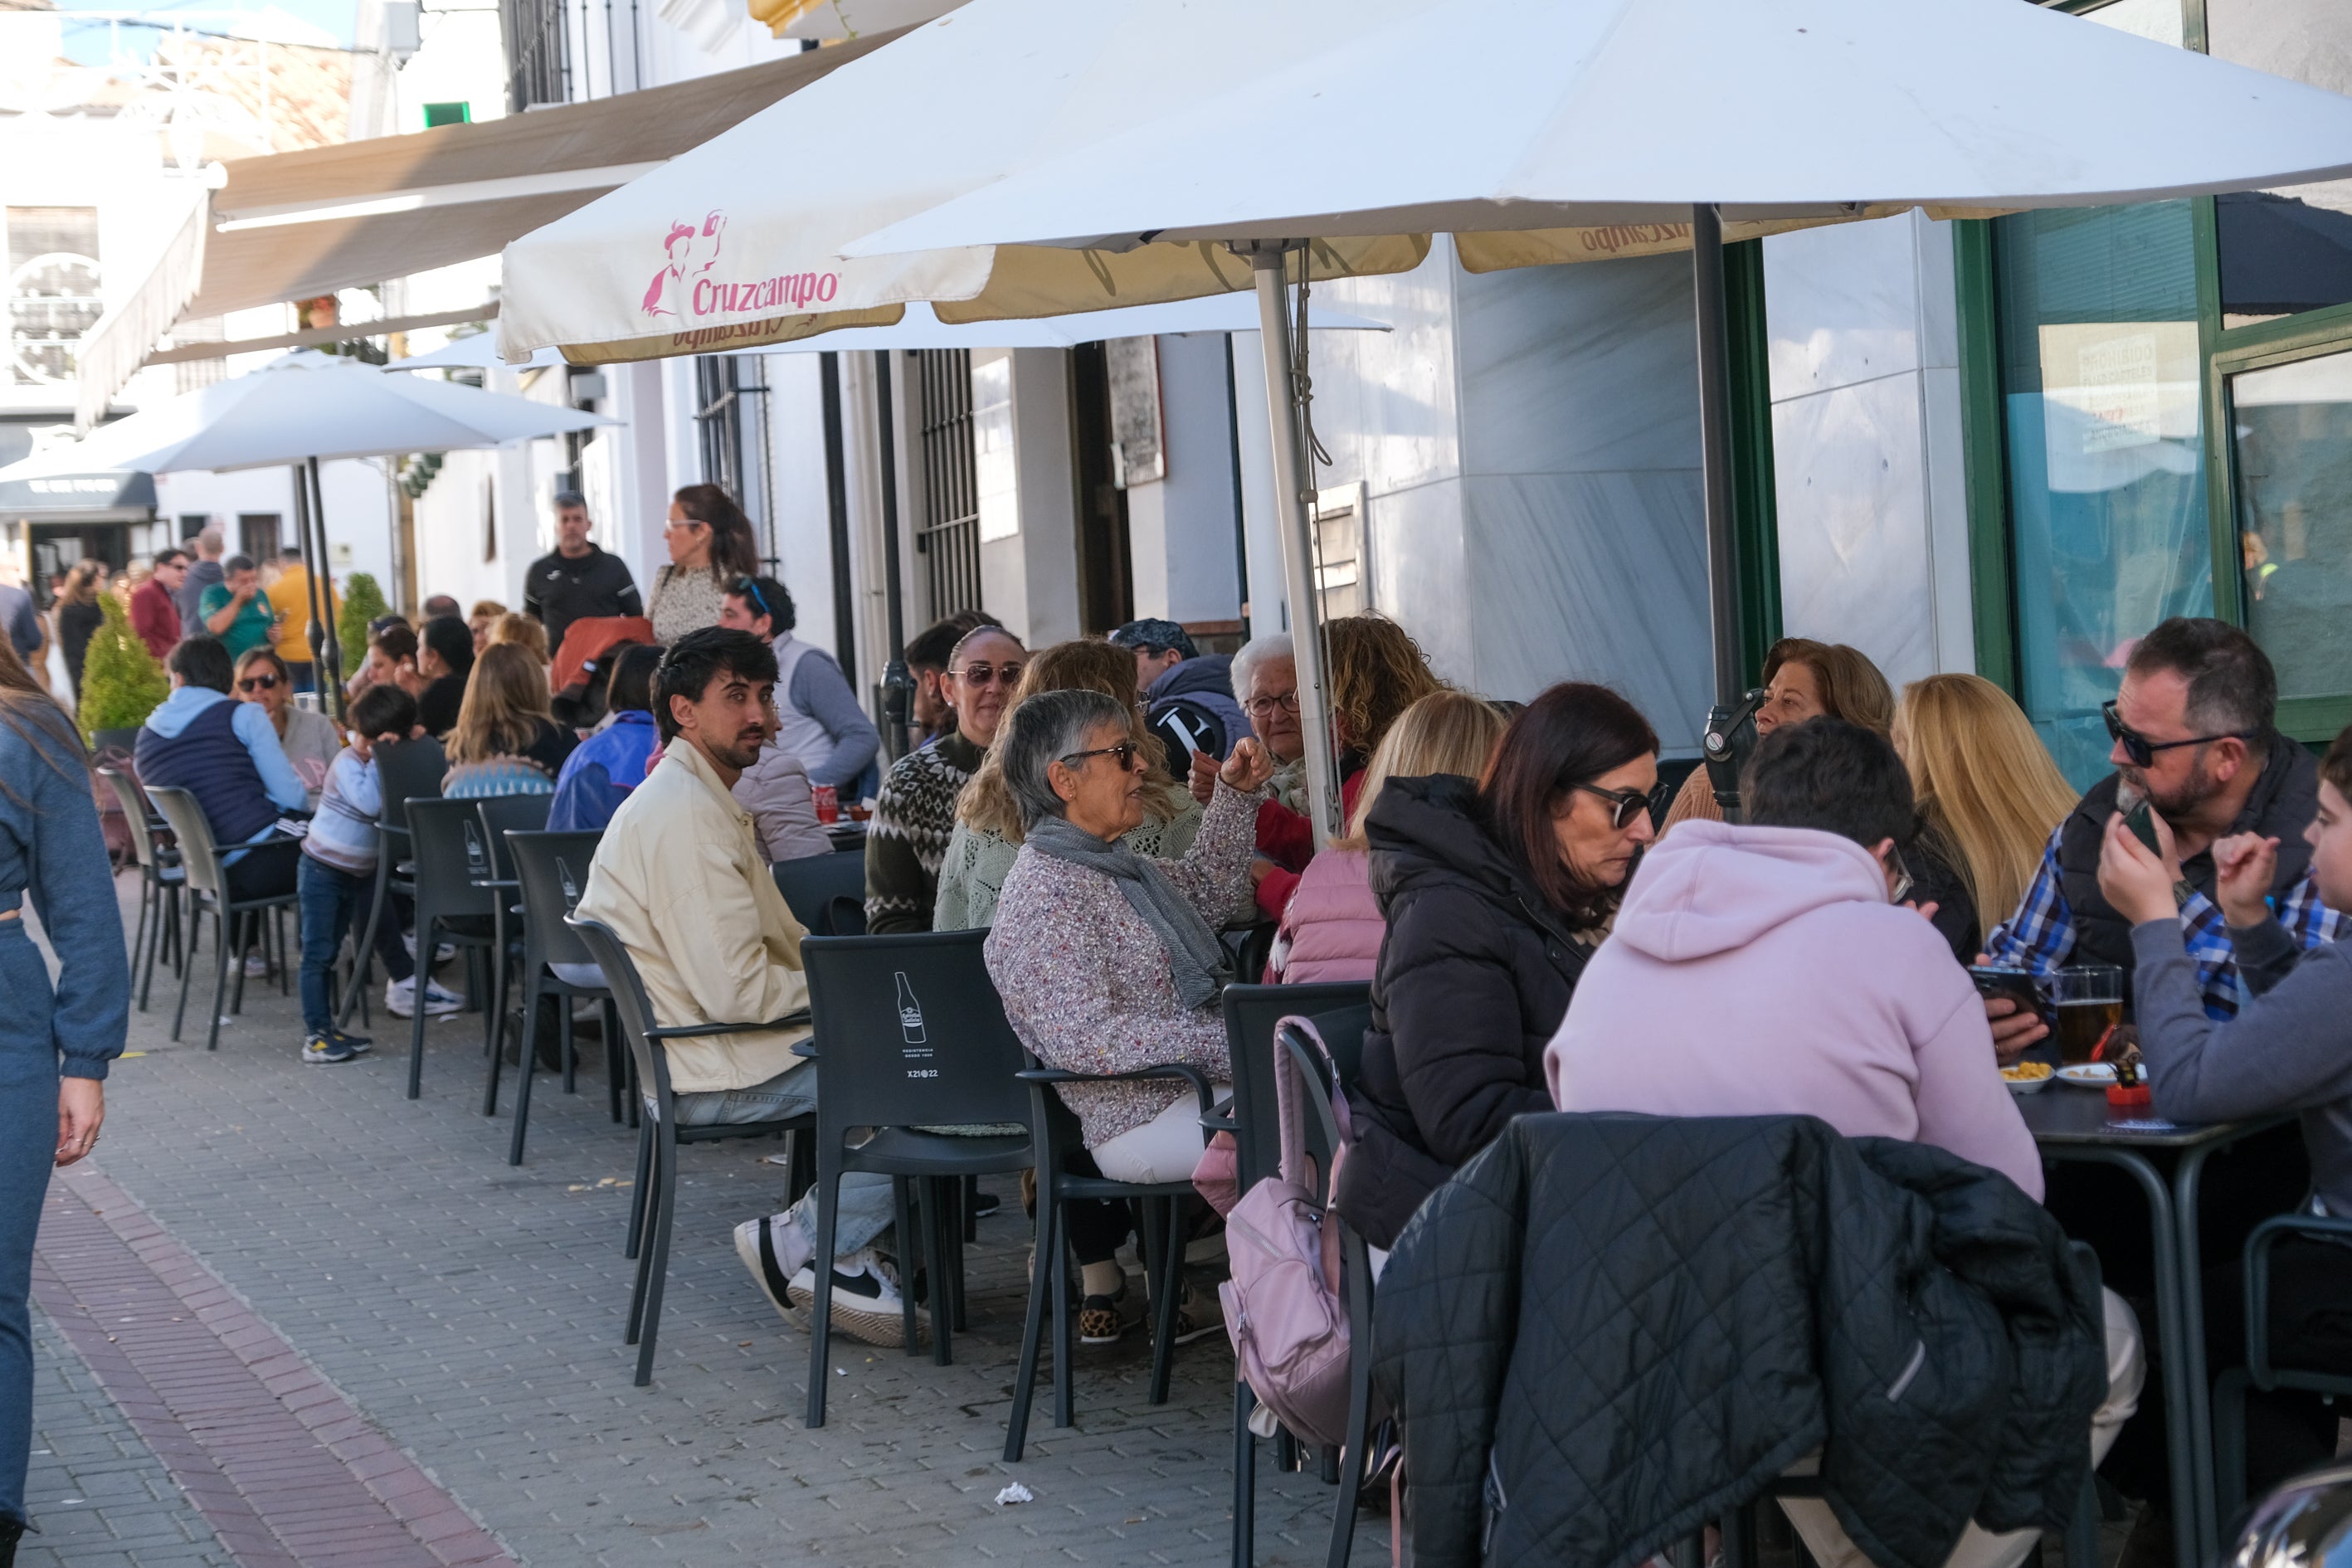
(235, 611)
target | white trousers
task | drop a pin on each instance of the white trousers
(1164, 1149)
(1979, 1548)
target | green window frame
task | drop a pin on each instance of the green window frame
(2223, 351)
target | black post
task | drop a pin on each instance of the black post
(329, 668)
(897, 687)
(1730, 723)
(836, 508)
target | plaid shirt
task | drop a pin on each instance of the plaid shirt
(2041, 934)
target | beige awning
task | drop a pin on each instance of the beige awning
(300, 224)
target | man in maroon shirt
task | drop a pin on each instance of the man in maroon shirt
(152, 614)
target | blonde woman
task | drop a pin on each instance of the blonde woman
(1332, 928)
(1805, 679)
(1988, 794)
(505, 742)
(485, 615)
(987, 837)
(523, 631)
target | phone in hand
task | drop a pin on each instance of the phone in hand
(2016, 984)
(2141, 820)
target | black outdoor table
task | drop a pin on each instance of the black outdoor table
(2070, 1124)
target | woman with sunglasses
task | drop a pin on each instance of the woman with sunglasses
(1108, 961)
(310, 738)
(1496, 894)
(711, 545)
(915, 812)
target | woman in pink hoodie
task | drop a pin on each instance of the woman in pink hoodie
(1773, 968)
(1331, 929)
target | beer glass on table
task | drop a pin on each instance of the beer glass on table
(2090, 1002)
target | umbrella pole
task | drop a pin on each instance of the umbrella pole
(1293, 486)
(1715, 448)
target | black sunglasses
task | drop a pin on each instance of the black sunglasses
(2141, 750)
(1125, 752)
(983, 674)
(1624, 803)
(257, 683)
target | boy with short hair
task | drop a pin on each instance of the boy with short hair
(338, 868)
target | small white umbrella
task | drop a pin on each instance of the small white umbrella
(302, 410)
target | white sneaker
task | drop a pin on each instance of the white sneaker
(773, 1273)
(400, 999)
(865, 1302)
(256, 966)
(442, 951)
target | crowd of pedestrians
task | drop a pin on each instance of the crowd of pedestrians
(1545, 921)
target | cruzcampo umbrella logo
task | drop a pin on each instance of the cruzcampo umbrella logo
(684, 288)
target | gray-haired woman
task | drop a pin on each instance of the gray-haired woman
(1107, 960)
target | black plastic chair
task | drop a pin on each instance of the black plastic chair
(160, 879)
(552, 868)
(453, 871)
(911, 1034)
(1054, 1132)
(207, 883)
(1251, 1014)
(659, 1133)
(2231, 1388)
(503, 815)
(811, 883)
(405, 771)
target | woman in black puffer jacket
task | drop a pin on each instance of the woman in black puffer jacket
(1496, 893)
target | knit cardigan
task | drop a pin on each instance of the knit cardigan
(1086, 982)
(914, 815)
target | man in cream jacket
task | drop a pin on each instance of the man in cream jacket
(679, 878)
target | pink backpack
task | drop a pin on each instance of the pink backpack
(1283, 1306)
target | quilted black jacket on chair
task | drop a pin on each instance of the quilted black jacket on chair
(1474, 978)
(1610, 1329)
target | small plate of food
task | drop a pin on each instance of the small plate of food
(2088, 1075)
(2026, 1078)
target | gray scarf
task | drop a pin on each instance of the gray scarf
(1195, 957)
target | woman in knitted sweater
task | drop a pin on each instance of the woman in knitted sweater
(979, 853)
(914, 814)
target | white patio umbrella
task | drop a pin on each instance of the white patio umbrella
(1108, 152)
(302, 410)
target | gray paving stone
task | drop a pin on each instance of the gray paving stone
(473, 1312)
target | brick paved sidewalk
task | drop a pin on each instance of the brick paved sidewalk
(440, 1310)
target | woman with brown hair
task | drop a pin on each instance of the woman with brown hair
(79, 616)
(505, 742)
(987, 837)
(1987, 797)
(56, 1041)
(1377, 672)
(309, 736)
(1805, 679)
(711, 545)
(1496, 894)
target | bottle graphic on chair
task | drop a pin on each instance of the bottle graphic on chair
(910, 1013)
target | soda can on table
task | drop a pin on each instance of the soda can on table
(828, 803)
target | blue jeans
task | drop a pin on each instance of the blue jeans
(29, 1141)
(330, 902)
(864, 1210)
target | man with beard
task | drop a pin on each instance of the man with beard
(2193, 734)
(679, 877)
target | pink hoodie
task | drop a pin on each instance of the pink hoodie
(1332, 928)
(1761, 971)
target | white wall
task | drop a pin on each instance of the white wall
(1180, 528)
(1866, 442)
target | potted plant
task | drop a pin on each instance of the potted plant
(363, 602)
(122, 683)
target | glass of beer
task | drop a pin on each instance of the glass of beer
(2090, 1002)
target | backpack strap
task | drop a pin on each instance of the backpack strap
(1291, 1105)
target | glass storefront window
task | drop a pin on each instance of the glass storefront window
(2105, 448)
(2291, 250)
(2291, 433)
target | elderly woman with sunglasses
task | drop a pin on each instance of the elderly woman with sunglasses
(915, 812)
(309, 737)
(1108, 961)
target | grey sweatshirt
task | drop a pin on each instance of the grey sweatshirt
(2290, 1048)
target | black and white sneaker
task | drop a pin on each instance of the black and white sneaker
(755, 1245)
(866, 1305)
(329, 1047)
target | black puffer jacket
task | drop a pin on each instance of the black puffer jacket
(1610, 1329)
(1474, 976)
